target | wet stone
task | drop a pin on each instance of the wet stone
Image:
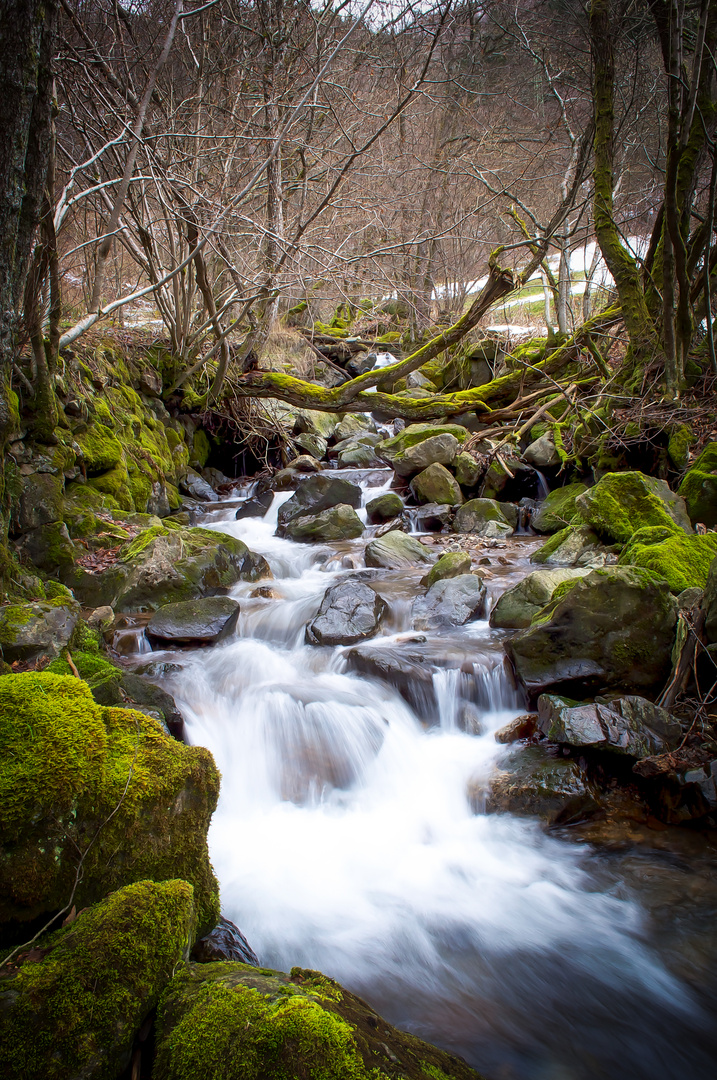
(204, 619)
(350, 612)
(225, 942)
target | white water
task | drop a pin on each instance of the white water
(345, 841)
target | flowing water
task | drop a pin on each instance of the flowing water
(345, 841)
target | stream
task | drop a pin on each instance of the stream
(344, 839)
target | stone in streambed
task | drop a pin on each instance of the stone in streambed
(197, 487)
(317, 493)
(450, 564)
(629, 725)
(523, 727)
(396, 550)
(338, 523)
(350, 612)
(436, 485)
(557, 509)
(534, 784)
(468, 470)
(576, 545)
(224, 942)
(384, 508)
(421, 445)
(515, 609)
(204, 619)
(256, 507)
(451, 602)
(541, 453)
(314, 445)
(482, 517)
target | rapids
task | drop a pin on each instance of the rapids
(344, 840)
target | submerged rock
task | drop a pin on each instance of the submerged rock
(74, 1005)
(78, 772)
(396, 550)
(614, 627)
(224, 942)
(215, 1018)
(452, 601)
(628, 725)
(350, 611)
(338, 523)
(516, 607)
(204, 619)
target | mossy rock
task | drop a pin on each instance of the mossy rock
(699, 488)
(314, 422)
(101, 450)
(72, 1009)
(40, 502)
(395, 551)
(384, 507)
(482, 517)
(576, 545)
(229, 1021)
(42, 628)
(436, 485)
(622, 503)
(421, 445)
(354, 424)
(108, 783)
(468, 471)
(678, 447)
(557, 509)
(683, 561)
(116, 486)
(48, 547)
(451, 564)
(337, 523)
(533, 784)
(516, 607)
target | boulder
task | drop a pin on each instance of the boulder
(451, 564)
(615, 627)
(359, 454)
(305, 463)
(431, 517)
(622, 503)
(48, 547)
(396, 550)
(557, 509)
(577, 545)
(315, 493)
(313, 422)
(451, 602)
(41, 501)
(224, 942)
(709, 603)
(436, 485)
(683, 561)
(77, 771)
(256, 507)
(41, 628)
(421, 445)
(354, 424)
(699, 488)
(204, 619)
(213, 1019)
(541, 453)
(196, 486)
(350, 611)
(532, 783)
(314, 445)
(468, 471)
(517, 606)
(74, 1006)
(523, 727)
(384, 508)
(338, 523)
(629, 725)
(100, 449)
(285, 479)
(150, 382)
(482, 517)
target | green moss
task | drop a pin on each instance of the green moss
(622, 503)
(142, 542)
(72, 771)
(115, 486)
(678, 447)
(683, 561)
(201, 448)
(558, 509)
(76, 1010)
(101, 450)
(699, 487)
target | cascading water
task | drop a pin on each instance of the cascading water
(345, 841)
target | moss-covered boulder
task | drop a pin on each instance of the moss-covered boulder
(100, 449)
(450, 564)
(48, 547)
(683, 561)
(384, 507)
(165, 564)
(313, 422)
(103, 784)
(354, 424)
(557, 510)
(482, 517)
(396, 550)
(339, 523)
(436, 485)
(71, 1009)
(468, 470)
(229, 1021)
(517, 606)
(41, 628)
(421, 445)
(576, 545)
(699, 487)
(622, 503)
(615, 627)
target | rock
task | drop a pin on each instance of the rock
(541, 453)
(517, 606)
(451, 602)
(523, 727)
(557, 509)
(436, 485)
(449, 565)
(421, 445)
(316, 493)
(709, 603)
(354, 424)
(699, 488)
(614, 627)
(101, 619)
(111, 685)
(482, 517)
(431, 517)
(350, 611)
(81, 771)
(100, 449)
(48, 547)
(314, 445)
(577, 545)
(256, 507)
(396, 550)
(204, 619)
(305, 463)
(198, 488)
(359, 454)
(150, 382)
(224, 942)
(384, 508)
(217, 478)
(313, 422)
(683, 561)
(74, 1006)
(361, 364)
(41, 628)
(285, 479)
(622, 503)
(337, 523)
(468, 471)
(628, 725)
(219, 1017)
(531, 783)
(41, 501)
(689, 598)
